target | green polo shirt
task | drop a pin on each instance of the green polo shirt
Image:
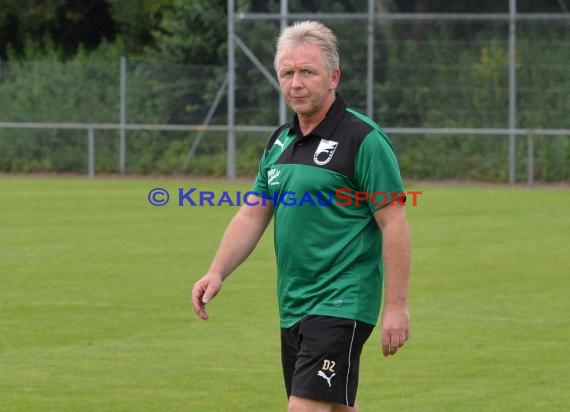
(328, 245)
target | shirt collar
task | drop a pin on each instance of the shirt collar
(328, 125)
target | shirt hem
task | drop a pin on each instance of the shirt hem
(352, 316)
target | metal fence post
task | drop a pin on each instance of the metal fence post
(283, 26)
(231, 139)
(91, 153)
(512, 90)
(123, 115)
(370, 61)
(530, 159)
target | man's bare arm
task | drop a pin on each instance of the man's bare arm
(396, 252)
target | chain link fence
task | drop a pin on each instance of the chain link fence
(426, 74)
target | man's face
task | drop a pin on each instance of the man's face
(305, 81)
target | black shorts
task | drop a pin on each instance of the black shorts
(321, 356)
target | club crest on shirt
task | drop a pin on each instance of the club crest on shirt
(324, 152)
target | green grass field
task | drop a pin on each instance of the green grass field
(95, 315)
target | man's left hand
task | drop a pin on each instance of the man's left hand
(395, 328)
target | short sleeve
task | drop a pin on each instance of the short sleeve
(260, 183)
(377, 171)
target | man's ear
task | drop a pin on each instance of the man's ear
(335, 78)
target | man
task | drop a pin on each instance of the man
(334, 259)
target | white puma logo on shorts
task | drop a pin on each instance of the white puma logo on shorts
(325, 377)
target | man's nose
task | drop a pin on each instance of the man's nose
(296, 82)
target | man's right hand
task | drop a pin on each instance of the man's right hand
(204, 291)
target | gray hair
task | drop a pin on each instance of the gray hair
(313, 32)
